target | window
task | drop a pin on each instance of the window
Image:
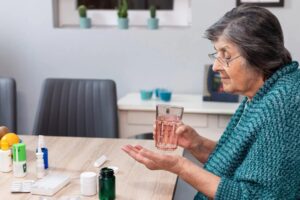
(169, 12)
(132, 4)
(267, 3)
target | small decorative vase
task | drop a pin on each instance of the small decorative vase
(85, 22)
(146, 94)
(123, 23)
(152, 23)
(165, 95)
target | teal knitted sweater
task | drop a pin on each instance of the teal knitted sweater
(258, 155)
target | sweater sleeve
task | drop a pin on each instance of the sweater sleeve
(228, 189)
(271, 168)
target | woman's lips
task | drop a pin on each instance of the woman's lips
(224, 79)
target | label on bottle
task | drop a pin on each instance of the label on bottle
(5, 161)
(20, 169)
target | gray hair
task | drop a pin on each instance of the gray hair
(258, 35)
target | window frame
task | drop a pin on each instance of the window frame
(65, 15)
(265, 3)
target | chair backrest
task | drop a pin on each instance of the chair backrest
(143, 136)
(8, 101)
(78, 107)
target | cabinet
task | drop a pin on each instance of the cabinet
(208, 118)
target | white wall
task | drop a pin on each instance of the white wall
(32, 50)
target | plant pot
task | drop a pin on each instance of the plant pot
(123, 23)
(165, 95)
(146, 94)
(85, 22)
(152, 23)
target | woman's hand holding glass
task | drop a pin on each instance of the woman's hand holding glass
(187, 137)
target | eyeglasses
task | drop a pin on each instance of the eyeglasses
(223, 61)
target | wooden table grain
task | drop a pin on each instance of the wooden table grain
(74, 155)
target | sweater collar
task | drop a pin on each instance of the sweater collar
(293, 66)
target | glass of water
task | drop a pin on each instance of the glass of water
(167, 120)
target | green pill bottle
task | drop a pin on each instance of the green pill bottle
(107, 184)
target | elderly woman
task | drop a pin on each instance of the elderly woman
(258, 155)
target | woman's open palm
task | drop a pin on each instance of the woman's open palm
(152, 160)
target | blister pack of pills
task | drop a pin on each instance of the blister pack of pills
(21, 186)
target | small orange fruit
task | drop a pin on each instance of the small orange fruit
(11, 138)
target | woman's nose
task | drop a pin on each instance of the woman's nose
(216, 66)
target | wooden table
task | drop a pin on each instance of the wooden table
(73, 155)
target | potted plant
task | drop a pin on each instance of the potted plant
(152, 21)
(123, 20)
(84, 21)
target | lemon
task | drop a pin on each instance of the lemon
(4, 145)
(11, 138)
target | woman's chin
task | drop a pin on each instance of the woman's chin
(227, 88)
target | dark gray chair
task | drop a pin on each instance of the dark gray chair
(8, 100)
(78, 107)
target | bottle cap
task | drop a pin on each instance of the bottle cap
(106, 172)
(88, 175)
(19, 152)
(4, 145)
(115, 168)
